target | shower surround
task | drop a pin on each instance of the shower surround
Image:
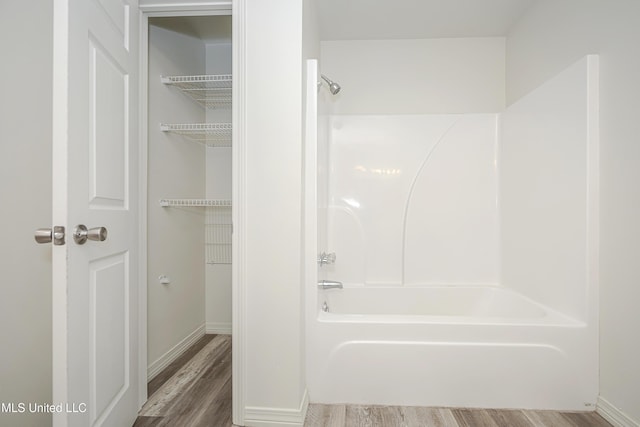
(467, 245)
(413, 199)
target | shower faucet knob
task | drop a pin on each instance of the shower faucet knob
(326, 258)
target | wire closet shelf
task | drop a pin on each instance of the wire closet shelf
(210, 91)
(218, 226)
(211, 134)
(194, 202)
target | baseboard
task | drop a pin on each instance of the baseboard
(272, 417)
(165, 360)
(614, 415)
(219, 328)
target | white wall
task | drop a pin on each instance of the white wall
(547, 39)
(176, 170)
(458, 75)
(25, 187)
(274, 324)
(218, 186)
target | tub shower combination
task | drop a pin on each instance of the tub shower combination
(465, 267)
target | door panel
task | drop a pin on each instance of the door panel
(96, 283)
(109, 332)
(108, 101)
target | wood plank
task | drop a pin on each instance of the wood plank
(204, 391)
(174, 391)
(511, 418)
(547, 418)
(363, 416)
(201, 405)
(586, 419)
(391, 415)
(474, 418)
(148, 421)
(431, 417)
(199, 392)
(319, 415)
(213, 413)
(177, 364)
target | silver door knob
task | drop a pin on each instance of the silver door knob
(81, 234)
(46, 235)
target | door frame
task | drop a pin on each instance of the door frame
(237, 10)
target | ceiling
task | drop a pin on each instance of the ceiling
(210, 29)
(417, 19)
(381, 20)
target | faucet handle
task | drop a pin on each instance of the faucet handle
(326, 258)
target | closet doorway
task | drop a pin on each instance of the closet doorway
(187, 128)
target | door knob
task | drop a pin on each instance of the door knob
(46, 235)
(81, 234)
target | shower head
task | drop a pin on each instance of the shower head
(334, 87)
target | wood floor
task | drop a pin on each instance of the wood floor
(195, 391)
(411, 416)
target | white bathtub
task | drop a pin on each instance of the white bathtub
(456, 346)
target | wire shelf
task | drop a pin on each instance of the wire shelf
(195, 202)
(210, 91)
(211, 134)
(217, 237)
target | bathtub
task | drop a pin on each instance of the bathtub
(448, 346)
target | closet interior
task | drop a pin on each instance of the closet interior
(189, 183)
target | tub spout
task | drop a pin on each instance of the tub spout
(329, 284)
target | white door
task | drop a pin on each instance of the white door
(95, 161)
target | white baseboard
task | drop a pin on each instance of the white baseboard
(614, 415)
(277, 417)
(219, 328)
(165, 360)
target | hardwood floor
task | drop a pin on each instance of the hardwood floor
(195, 391)
(411, 416)
(177, 364)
